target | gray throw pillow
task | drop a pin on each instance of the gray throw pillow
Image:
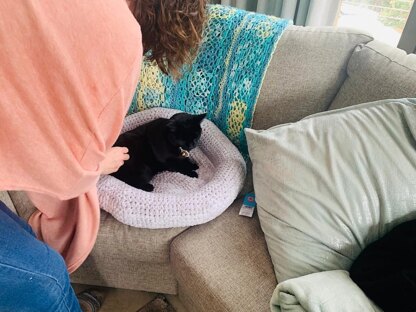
(332, 183)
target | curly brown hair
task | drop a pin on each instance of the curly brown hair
(171, 31)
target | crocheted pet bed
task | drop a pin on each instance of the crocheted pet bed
(178, 200)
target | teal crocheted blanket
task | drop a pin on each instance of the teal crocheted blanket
(225, 79)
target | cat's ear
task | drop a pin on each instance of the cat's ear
(199, 118)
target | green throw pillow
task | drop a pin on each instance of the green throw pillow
(332, 183)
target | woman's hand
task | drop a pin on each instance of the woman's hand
(114, 159)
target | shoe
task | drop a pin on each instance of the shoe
(90, 300)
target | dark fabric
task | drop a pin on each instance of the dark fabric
(386, 269)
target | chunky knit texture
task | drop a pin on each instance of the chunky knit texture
(225, 79)
(179, 200)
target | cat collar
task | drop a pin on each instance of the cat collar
(184, 153)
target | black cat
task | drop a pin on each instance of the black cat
(160, 145)
(386, 269)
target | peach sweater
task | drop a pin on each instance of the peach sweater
(68, 70)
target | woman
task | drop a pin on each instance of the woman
(67, 76)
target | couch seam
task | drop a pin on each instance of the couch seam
(194, 272)
(344, 70)
(333, 32)
(389, 58)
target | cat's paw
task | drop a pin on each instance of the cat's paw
(194, 166)
(192, 174)
(189, 165)
(147, 187)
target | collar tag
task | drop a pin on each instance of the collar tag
(184, 153)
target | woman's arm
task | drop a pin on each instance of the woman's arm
(68, 74)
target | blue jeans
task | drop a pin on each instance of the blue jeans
(33, 277)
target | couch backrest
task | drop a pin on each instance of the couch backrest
(305, 73)
(377, 71)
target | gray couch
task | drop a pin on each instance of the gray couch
(224, 265)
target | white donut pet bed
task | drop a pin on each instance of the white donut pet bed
(178, 200)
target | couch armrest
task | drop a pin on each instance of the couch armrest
(224, 265)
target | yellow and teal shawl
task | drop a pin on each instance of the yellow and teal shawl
(225, 79)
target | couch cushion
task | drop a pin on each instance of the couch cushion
(332, 183)
(126, 274)
(377, 71)
(305, 73)
(116, 239)
(22, 204)
(119, 249)
(224, 265)
(5, 198)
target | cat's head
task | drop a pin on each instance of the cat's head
(184, 130)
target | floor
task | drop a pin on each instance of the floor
(122, 300)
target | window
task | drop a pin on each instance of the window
(387, 20)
